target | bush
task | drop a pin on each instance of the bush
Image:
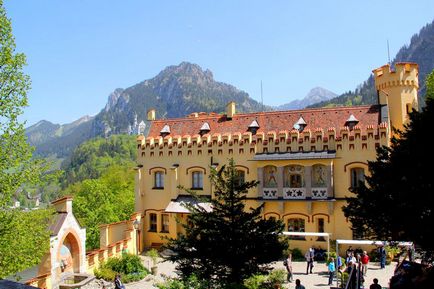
(276, 277)
(297, 255)
(129, 266)
(192, 282)
(105, 273)
(255, 282)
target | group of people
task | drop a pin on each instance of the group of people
(356, 266)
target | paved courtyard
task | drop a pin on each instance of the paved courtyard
(318, 279)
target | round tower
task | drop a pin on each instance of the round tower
(397, 89)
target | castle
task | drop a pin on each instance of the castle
(306, 160)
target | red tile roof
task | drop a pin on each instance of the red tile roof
(316, 119)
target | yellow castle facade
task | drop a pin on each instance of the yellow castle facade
(305, 160)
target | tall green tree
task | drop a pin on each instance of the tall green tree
(23, 241)
(396, 201)
(229, 243)
(105, 200)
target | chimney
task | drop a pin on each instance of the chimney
(151, 114)
(230, 109)
(63, 205)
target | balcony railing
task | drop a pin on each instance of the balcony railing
(294, 193)
(319, 193)
(269, 193)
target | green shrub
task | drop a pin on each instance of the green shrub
(105, 273)
(277, 276)
(255, 282)
(153, 254)
(192, 282)
(297, 255)
(129, 266)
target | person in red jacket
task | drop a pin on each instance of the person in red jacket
(364, 259)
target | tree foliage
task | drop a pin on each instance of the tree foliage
(23, 235)
(396, 200)
(24, 239)
(91, 159)
(107, 199)
(229, 243)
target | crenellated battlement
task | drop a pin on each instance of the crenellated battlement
(335, 139)
(403, 74)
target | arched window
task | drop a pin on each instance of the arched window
(319, 176)
(270, 177)
(197, 180)
(357, 177)
(293, 176)
(159, 180)
(240, 177)
(296, 225)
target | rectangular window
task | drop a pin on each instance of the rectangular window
(320, 222)
(197, 180)
(165, 223)
(158, 180)
(152, 222)
(296, 225)
(357, 177)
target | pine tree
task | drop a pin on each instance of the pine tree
(229, 243)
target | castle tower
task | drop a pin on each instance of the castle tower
(397, 91)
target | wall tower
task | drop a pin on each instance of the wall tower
(397, 91)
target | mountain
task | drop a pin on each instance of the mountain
(315, 95)
(420, 50)
(176, 91)
(50, 138)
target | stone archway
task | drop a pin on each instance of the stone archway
(69, 252)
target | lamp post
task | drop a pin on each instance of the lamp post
(136, 225)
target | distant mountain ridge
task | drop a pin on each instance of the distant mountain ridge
(420, 50)
(175, 92)
(315, 95)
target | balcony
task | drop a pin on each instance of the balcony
(319, 193)
(269, 193)
(294, 193)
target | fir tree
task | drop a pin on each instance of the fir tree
(229, 243)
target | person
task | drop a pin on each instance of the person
(353, 278)
(340, 264)
(382, 256)
(298, 284)
(118, 282)
(288, 265)
(350, 251)
(364, 260)
(331, 268)
(375, 285)
(309, 259)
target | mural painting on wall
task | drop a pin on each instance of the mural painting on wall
(293, 177)
(66, 258)
(270, 177)
(319, 176)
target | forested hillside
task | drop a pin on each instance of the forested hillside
(420, 50)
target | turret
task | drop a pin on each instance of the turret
(397, 91)
(151, 114)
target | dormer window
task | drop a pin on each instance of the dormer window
(351, 122)
(205, 128)
(300, 124)
(165, 131)
(253, 127)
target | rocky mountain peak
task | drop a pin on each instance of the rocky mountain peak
(113, 98)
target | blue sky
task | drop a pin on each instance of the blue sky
(79, 51)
